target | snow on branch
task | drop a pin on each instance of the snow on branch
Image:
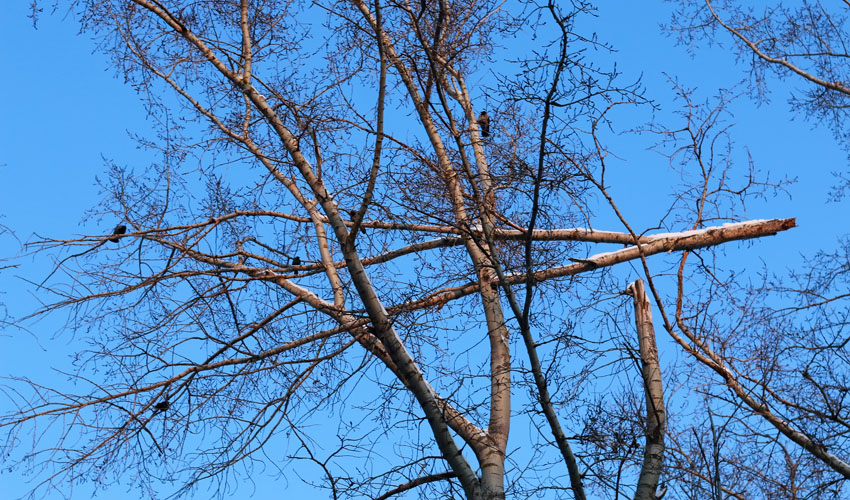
(648, 245)
(671, 242)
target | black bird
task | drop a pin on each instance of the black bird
(119, 229)
(351, 215)
(296, 261)
(484, 123)
(161, 406)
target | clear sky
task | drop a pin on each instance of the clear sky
(63, 111)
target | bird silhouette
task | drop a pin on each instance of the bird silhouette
(119, 229)
(484, 123)
(161, 406)
(296, 261)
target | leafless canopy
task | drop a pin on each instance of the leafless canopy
(331, 271)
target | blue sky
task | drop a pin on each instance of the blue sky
(63, 111)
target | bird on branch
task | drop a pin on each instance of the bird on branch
(484, 123)
(119, 230)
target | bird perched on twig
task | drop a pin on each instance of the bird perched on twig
(161, 406)
(119, 229)
(296, 261)
(484, 123)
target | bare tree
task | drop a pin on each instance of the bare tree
(795, 374)
(804, 43)
(242, 305)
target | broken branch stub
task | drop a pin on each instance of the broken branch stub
(653, 392)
